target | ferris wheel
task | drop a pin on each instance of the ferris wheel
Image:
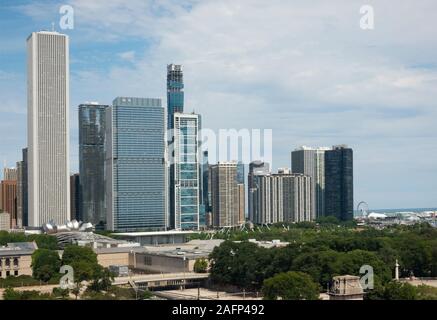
(363, 209)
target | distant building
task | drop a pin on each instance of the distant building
(175, 93)
(75, 197)
(241, 203)
(9, 199)
(206, 194)
(282, 198)
(339, 185)
(5, 221)
(185, 173)
(255, 168)
(225, 195)
(23, 191)
(48, 127)
(20, 193)
(92, 126)
(10, 174)
(16, 259)
(346, 288)
(135, 165)
(311, 162)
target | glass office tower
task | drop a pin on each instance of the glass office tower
(135, 165)
(175, 93)
(339, 184)
(185, 173)
(91, 164)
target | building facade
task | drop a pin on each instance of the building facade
(185, 173)
(339, 184)
(311, 162)
(8, 195)
(135, 165)
(48, 128)
(225, 195)
(92, 126)
(255, 168)
(175, 93)
(75, 197)
(282, 197)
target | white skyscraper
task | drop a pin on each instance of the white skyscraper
(48, 126)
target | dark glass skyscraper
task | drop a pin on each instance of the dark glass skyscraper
(255, 168)
(339, 185)
(91, 164)
(175, 92)
(135, 164)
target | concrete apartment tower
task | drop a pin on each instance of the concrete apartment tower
(48, 126)
(311, 162)
(226, 195)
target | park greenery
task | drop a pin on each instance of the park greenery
(323, 250)
(43, 241)
(46, 265)
(201, 265)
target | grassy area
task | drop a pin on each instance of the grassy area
(25, 281)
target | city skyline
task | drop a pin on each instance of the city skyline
(393, 133)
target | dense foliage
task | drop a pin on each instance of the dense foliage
(324, 250)
(42, 240)
(290, 286)
(200, 265)
(45, 264)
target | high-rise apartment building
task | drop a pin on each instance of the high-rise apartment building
(175, 93)
(92, 126)
(311, 162)
(282, 197)
(225, 195)
(135, 165)
(48, 128)
(339, 185)
(185, 173)
(255, 168)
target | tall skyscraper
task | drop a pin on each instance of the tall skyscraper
(282, 197)
(92, 126)
(75, 197)
(339, 184)
(185, 173)
(225, 195)
(8, 194)
(48, 126)
(311, 162)
(135, 165)
(255, 168)
(175, 93)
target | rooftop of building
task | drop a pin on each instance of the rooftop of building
(153, 233)
(18, 249)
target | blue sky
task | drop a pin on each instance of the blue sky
(302, 68)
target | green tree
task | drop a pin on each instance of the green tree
(45, 264)
(83, 260)
(201, 265)
(290, 286)
(396, 290)
(102, 279)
